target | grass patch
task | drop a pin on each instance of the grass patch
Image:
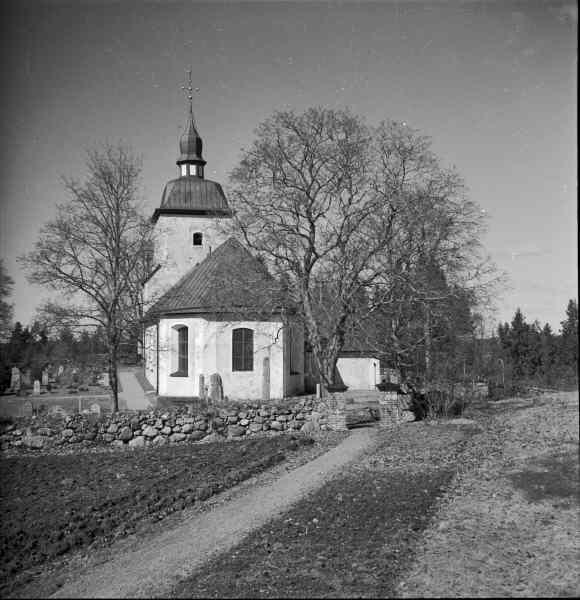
(509, 527)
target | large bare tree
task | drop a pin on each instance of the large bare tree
(304, 200)
(95, 252)
(438, 268)
(347, 216)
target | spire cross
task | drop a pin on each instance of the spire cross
(189, 89)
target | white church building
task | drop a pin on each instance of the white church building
(213, 307)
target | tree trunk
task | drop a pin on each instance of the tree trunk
(427, 336)
(330, 369)
(113, 379)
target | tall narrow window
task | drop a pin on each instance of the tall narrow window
(197, 239)
(180, 351)
(242, 350)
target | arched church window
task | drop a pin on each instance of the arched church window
(197, 238)
(242, 349)
(179, 351)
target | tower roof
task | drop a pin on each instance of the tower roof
(190, 143)
(191, 195)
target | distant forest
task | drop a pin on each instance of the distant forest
(535, 355)
(518, 355)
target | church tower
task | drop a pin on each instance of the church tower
(189, 220)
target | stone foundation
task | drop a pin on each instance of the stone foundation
(394, 409)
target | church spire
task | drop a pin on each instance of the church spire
(190, 160)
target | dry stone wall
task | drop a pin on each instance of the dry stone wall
(394, 409)
(157, 427)
(178, 425)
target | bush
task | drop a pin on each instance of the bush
(436, 403)
(5, 376)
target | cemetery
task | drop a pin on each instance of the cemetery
(70, 410)
(61, 389)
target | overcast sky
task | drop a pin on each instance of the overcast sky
(492, 83)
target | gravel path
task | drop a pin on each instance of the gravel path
(152, 570)
(132, 394)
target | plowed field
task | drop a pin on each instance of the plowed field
(53, 504)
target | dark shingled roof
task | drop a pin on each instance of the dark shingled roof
(193, 195)
(230, 280)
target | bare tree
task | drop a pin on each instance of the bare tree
(6, 309)
(95, 251)
(303, 199)
(349, 216)
(438, 271)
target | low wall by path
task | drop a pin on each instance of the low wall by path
(138, 429)
(155, 427)
(395, 409)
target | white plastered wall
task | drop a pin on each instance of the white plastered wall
(150, 352)
(359, 373)
(175, 252)
(210, 351)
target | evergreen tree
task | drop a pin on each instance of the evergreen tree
(518, 345)
(65, 344)
(549, 354)
(569, 336)
(534, 354)
(18, 346)
(84, 347)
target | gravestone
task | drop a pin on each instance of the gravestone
(27, 408)
(44, 381)
(15, 379)
(66, 378)
(104, 379)
(95, 409)
(266, 379)
(216, 391)
(36, 388)
(26, 377)
(57, 411)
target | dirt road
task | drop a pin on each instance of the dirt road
(151, 569)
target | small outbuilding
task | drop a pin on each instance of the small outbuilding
(359, 370)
